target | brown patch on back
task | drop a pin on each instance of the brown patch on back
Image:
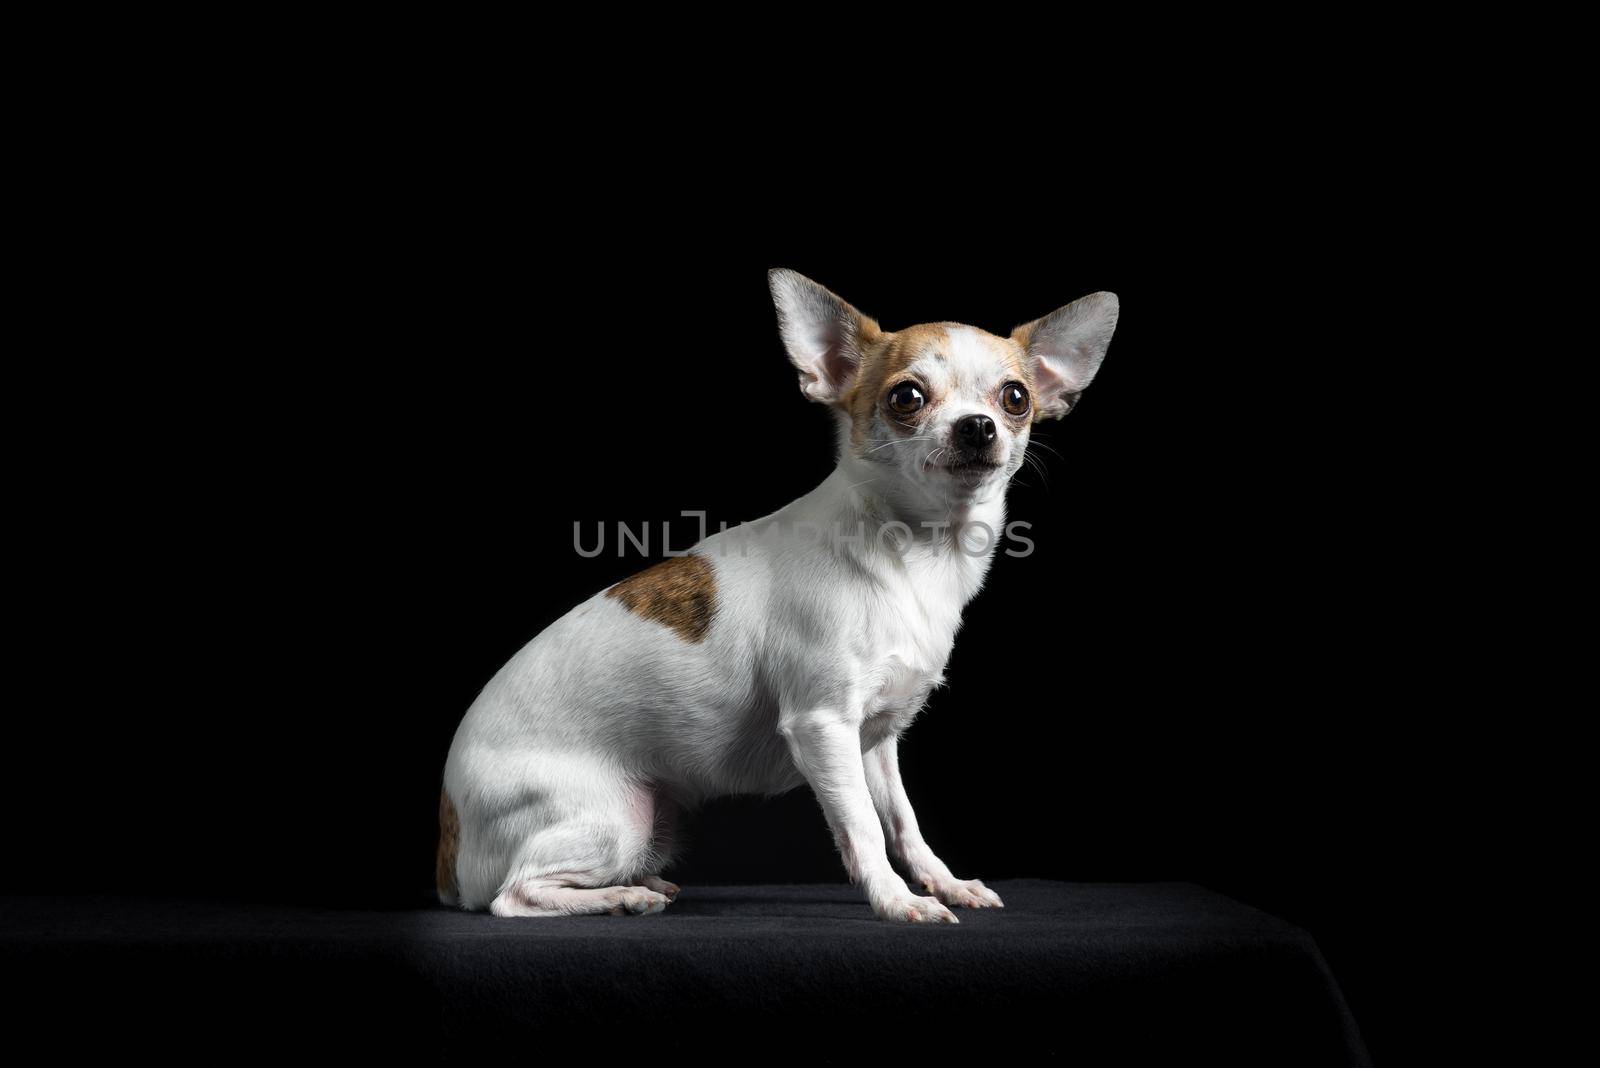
(444, 873)
(680, 592)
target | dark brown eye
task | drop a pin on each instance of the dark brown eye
(1014, 398)
(906, 398)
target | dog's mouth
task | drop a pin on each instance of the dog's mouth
(970, 467)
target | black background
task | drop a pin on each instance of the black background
(325, 481)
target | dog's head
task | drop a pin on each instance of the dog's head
(944, 407)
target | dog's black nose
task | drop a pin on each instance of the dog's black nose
(975, 431)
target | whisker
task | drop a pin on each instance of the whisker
(893, 441)
(1038, 465)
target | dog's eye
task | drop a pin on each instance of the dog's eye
(906, 398)
(1014, 398)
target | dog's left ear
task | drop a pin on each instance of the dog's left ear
(1066, 348)
(823, 333)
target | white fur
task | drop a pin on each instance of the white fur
(819, 655)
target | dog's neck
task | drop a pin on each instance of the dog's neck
(882, 498)
(891, 528)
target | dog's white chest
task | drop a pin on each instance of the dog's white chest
(916, 638)
(898, 689)
(901, 685)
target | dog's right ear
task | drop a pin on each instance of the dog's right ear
(823, 333)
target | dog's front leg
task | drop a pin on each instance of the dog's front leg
(826, 746)
(905, 838)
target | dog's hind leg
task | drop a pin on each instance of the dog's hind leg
(559, 895)
(599, 860)
(664, 834)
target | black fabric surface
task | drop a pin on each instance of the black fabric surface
(1118, 972)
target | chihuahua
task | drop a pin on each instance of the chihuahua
(792, 649)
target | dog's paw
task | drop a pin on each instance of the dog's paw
(637, 901)
(965, 894)
(661, 886)
(910, 909)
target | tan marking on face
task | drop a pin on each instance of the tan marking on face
(444, 875)
(884, 363)
(680, 592)
(881, 366)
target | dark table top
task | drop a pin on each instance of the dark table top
(1131, 970)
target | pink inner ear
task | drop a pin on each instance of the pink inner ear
(839, 365)
(1048, 384)
(828, 373)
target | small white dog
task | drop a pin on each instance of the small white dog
(795, 648)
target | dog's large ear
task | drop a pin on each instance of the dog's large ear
(824, 334)
(1066, 348)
